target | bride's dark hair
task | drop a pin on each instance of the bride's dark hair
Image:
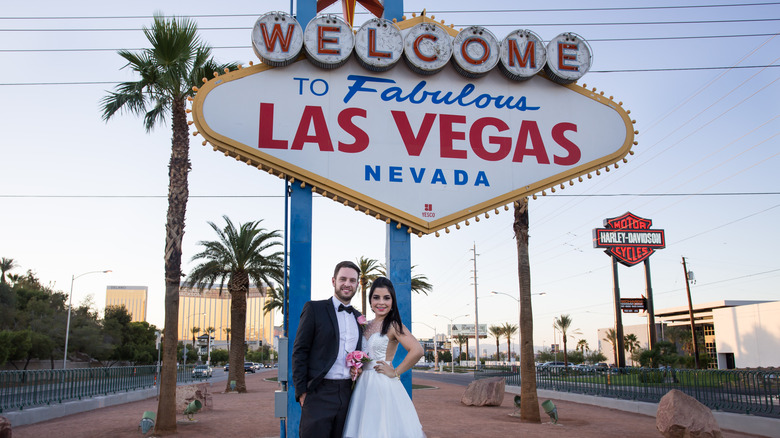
(394, 316)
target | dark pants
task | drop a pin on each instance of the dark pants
(324, 410)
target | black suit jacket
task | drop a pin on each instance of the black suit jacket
(316, 345)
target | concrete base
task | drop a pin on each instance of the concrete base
(48, 412)
(726, 420)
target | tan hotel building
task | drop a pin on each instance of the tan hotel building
(212, 309)
(134, 299)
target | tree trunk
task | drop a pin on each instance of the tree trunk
(178, 192)
(565, 353)
(238, 286)
(529, 408)
(508, 348)
(363, 287)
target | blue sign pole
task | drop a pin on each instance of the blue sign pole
(398, 253)
(300, 286)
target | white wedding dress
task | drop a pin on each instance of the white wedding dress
(380, 406)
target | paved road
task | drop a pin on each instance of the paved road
(462, 379)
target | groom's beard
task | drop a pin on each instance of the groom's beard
(345, 293)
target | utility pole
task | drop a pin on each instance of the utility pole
(476, 310)
(690, 313)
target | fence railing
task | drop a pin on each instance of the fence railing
(740, 391)
(22, 389)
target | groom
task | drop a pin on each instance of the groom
(328, 329)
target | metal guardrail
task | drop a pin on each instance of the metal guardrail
(22, 389)
(747, 392)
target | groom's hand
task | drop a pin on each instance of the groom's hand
(302, 398)
(355, 372)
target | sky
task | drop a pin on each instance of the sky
(78, 194)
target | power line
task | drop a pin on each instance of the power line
(602, 195)
(592, 40)
(638, 70)
(500, 11)
(246, 28)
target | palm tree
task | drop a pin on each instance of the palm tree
(195, 331)
(563, 323)
(582, 344)
(420, 283)
(227, 333)
(462, 339)
(209, 331)
(612, 339)
(497, 331)
(529, 409)
(369, 269)
(238, 257)
(509, 330)
(274, 298)
(631, 344)
(5, 266)
(176, 62)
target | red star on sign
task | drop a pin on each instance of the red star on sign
(374, 6)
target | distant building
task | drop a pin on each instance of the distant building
(735, 333)
(134, 298)
(212, 309)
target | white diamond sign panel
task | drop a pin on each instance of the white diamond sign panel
(425, 151)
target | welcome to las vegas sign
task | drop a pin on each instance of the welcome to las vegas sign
(428, 144)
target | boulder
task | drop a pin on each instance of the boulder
(187, 394)
(5, 428)
(484, 392)
(682, 416)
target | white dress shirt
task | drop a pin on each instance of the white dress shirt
(348, 338)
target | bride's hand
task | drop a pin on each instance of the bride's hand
(385, 368)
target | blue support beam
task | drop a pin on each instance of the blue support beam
(398, 254)
(300, 286)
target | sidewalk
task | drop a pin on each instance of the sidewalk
(442, 415)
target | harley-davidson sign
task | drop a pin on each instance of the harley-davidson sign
(465, 127)
(628, 238)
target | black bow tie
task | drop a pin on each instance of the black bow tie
(345, 308)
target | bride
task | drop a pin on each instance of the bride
(380, 406)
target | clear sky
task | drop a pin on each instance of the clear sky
(78, 194)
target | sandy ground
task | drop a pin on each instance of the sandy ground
(441, 414)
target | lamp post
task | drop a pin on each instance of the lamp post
(184, 352)
(70, 306)
(519, 314)
(450, 334)
(435, 354)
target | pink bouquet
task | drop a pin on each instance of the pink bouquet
(356, 359)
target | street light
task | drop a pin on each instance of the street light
(518, 314)
(70, 306)
(184, 352)
(452, 319)
(435, 354)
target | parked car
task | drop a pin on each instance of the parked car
(256, 366)
(201, 371)
(227, 367)
(584, 368)
(601, 366)
(249, 367)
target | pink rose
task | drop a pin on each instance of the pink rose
(362, 320)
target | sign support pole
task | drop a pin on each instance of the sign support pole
(621, 354)
(398, 254)
(653, 336)
(300, 286)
